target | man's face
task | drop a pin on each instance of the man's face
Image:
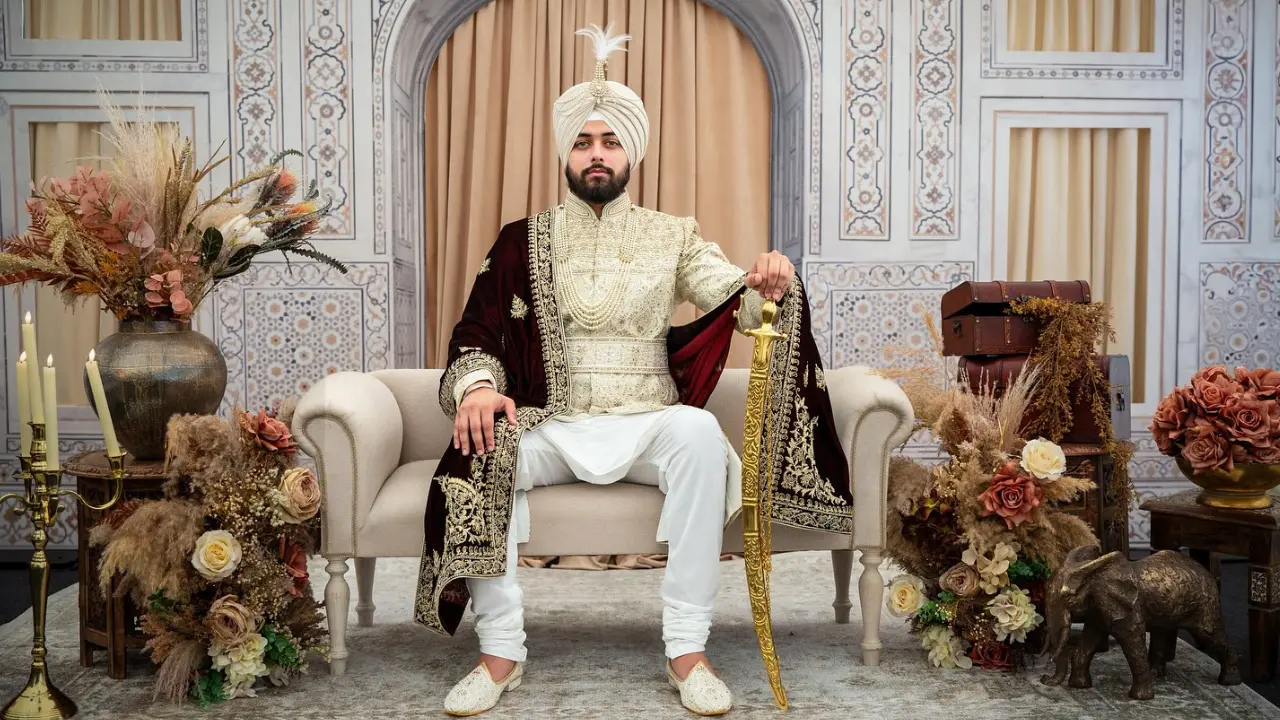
(597, 170)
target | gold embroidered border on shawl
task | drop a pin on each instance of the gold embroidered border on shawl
(480, 506)
(802, 498)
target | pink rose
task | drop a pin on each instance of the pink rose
(1245, 420)
(1264, 382)
(1207, 447)
(1012, 496)
(1211, 388)
(1168, 423)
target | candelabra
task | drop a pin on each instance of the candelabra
(40, 700)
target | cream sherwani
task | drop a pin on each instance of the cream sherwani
(619, 278)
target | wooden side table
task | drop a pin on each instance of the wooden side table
(108, 623)
(1178, 521)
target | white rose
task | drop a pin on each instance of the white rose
(1015, 615)
(906, 596)
(946, 649)
(217, 555)
(1044, 459)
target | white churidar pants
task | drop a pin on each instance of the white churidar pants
(679, 449)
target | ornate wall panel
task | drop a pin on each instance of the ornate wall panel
(256, 129)
(1228, 103)
(282, 327)
(194, 60)
(1240, 314)
(1168, 67)
(874, 313)
(327, 130)
(935, 119)
(865, 169)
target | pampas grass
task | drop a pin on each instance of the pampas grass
(152, 550)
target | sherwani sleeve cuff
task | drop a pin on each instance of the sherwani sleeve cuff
(471, 378)
(464, 371)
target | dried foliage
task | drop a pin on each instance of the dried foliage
(220, 564)
(139, 235)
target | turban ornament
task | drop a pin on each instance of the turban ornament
(617, 105)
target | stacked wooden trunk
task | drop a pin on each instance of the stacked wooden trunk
(994, 347)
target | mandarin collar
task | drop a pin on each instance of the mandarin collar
(578, 208)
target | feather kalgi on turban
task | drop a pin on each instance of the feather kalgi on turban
(599, 99)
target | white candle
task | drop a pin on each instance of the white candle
(24, 408)
(51, 416)
(100, 402)
(33, 370)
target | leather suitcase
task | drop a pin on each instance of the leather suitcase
(975, 315)
(1103, 507)
(994, 374)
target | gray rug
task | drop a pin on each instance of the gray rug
(596, 652)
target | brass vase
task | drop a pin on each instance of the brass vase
(1246, 487)
(151, 370)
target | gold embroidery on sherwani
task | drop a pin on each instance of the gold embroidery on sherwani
(618, 349)
(518, 308)
(483, 552)
(484, 266)
(820, 378)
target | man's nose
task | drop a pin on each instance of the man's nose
(597, 152)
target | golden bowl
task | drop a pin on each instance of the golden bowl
(1244, 487)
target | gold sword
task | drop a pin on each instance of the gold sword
(756, 529)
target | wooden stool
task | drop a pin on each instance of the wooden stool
(109, 623)
(1178, 521)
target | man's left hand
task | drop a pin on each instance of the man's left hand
(771, 275)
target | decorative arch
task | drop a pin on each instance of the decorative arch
(409, 34)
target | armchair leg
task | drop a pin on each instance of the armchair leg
(337, 603)
(364, 590)
(871, 596)
(842, 565)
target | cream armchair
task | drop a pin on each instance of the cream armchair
(376, 439)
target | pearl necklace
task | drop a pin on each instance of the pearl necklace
(592, 316)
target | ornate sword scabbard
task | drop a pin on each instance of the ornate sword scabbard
(754, 541)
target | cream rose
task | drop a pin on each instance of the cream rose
(1044, 459)
(906, 596)
(299, 495)
(217, 555)
(1015, 615)
(946, 649)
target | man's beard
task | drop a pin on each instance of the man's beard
(598, 192)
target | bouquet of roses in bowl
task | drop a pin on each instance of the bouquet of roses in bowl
(1224, 429)
(139, 234)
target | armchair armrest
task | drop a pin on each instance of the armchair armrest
(350, 423)
(872, 415)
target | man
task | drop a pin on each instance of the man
(565, 368)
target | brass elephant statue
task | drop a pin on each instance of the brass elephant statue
(1162, 593)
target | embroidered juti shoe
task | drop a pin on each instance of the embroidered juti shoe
(701, 692)
(477, 692)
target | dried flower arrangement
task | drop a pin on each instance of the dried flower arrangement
(1221, 419)
(219, 565)
(139, 236)
(979, 534)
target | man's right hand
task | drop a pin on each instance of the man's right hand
(474, 424)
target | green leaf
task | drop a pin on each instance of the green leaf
(946, 596)
(207, 689)
(210, 247)
(319, 257)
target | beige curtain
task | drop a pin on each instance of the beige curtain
(68, 333)
(103, 19)
(1082, 25)
(1079, 200)
(491, 159)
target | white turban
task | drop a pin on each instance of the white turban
(614, 103)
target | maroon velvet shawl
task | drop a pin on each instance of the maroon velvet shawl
(511, 326)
